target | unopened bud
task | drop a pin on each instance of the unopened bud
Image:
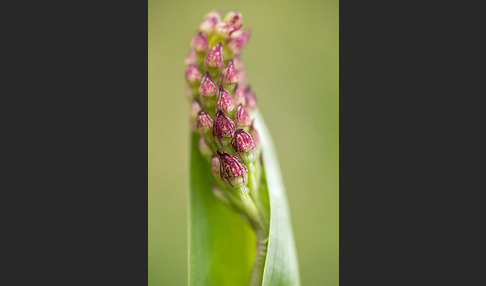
(232, 171)
(225, 29)
(240, 95)
(191, 58)
(215, 166)
(223, 129)
(204, 147)
(233, 17)
(209, 23)
(193, 75)
(214, 58)
(200, 42)
(238, 40)
(225, 101)
(242, 77)
(243, 145)
(208, 87)
(242, 118)
(228, 75)
(250, 97)
(195, 108)
(204, 122)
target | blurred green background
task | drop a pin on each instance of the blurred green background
(292, 63)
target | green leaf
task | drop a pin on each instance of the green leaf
(221, 244)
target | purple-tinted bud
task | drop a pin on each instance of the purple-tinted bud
(250, 97)
(200, 42)
(238, 40)
(214, 58)
(233, 17)
(215, 166)
(232, 171)
(228, 75)
(242, 118)
(225, 29)
(204, 122)
(193, 75)
(243, 145)
(195, 108)
(191, 58)
(208, 87)
(204, 147)
(210, 21)
(225, 101)
(240, 95)
(223, 129)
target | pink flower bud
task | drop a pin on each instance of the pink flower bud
(242, 77)
(215, 166)
(191, 58)
(228, 75)
(214, 58)
(233, 17)
(193, 75)
(200, 42)
(238, 40)
(204, 122)
(232, 171)
(240, 95)
(225, 101)
(210, 21)
(242, 118)
(250, 97)
(223, 129)
(225, 29)
(195, 108)
(208, 87)
(243, 145)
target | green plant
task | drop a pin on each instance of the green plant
(237, 198)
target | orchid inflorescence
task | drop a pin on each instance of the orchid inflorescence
(221, 109)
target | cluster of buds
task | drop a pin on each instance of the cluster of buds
(222, 102)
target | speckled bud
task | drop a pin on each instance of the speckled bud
(200, 42)
(232, 171)
(223, 129)
(214, 58)
(243, 145)
(204, 122)
(237, 62)
(209, 23)
(250, 97)
(193, 75)
(242, 118)
(208, 87)
(215, 166)
(228, 75)
(225, 101)
(204, 147)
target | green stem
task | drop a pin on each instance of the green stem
(256, 277)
